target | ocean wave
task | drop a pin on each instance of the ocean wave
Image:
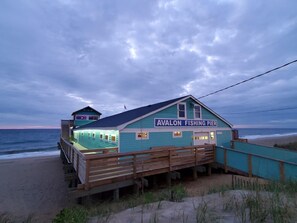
(21, 142)
(14, 151)
(30, 154)
(268, 136)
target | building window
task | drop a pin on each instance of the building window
(197, 111)
(101, 136)
(106, 137)
(142, 135)
(94, 135)
(113, 138)
(212, 135)
(181, 110)
(200, 137)
(93, 117)
(177, 134)
(81, 117)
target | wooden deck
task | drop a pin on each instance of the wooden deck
(99, 168)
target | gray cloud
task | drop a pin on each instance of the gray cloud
(58, 56)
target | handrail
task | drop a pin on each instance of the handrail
(103, 156)
(257, 155)
(100, 169)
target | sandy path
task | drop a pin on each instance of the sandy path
(32, 186)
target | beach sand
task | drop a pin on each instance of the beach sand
(32, 187)
(36, 186)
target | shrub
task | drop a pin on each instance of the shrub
(71, 215)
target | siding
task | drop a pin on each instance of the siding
(224, 138)
(129, 143)
(171, 112)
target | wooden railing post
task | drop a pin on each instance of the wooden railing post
(134, 166)
(282, 171)
(214, 152)
(169, 161)
(87, 184)
(225, 161)
(250, 170)
(196, 158)
(77, 163)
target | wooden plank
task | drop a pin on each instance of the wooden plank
(225, 161)
(250, 170)
(282, 171)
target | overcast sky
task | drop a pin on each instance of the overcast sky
(59, 56)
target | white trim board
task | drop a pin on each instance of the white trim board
(133, 130)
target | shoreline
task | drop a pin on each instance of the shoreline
(272, 140)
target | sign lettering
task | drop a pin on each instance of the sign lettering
(166, 122)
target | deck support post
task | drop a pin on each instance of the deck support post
(168, 179)
(194, 173)
(155, 182)
(208, 170)
(116, 194)
(136, 189)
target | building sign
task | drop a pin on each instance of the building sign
(169, 122)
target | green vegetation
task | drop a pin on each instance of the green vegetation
(72, 215)
(272, 202)
(255, 201)
(104, 210)
(291, 146)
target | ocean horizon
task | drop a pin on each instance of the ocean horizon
(21, 143)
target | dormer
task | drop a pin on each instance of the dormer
(85, 116)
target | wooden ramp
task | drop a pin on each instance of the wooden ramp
(104, 169)
(253, 160)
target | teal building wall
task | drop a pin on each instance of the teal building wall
(95, 139)
(129, 143)
(171, 112)
(84, 122)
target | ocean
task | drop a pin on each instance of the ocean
(19, 143)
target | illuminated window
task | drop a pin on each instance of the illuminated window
(181, 110)
(197, 111)
(177, 134)
(142, 135)
(200, 137)
(212, 135)
(106, 137)
(113, 138)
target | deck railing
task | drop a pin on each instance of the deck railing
(96, 169)
(253, 164)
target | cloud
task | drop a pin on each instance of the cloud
(59, 56)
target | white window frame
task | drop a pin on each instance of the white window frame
(180, 136)
(185, 110)
(195, 112)
(141, 138)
